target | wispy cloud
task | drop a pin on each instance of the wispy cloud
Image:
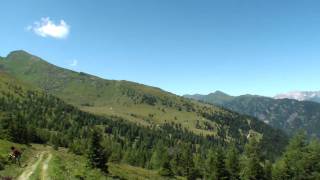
(74, 63)
(47, 28)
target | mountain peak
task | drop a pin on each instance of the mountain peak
(18, 52)
(218, 97)
(21, 55)
(219, 93)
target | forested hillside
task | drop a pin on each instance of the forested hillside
(143, 105)
(29, 115)
(289, 115)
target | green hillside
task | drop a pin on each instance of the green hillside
(76, 144)
(29, 116)
(286, 114)
(133, 102)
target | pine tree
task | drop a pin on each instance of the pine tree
(157, 156)
(176, 162)
(129, 156)
(6, 127)
(166, 170)
(116, 153)
(200, 164)
(96, 154)
(268, 170)
(216, 168)
(187, 165)
(210, 164)
(312, 160)
(220, 172)
(253, 168)
(233, 163)
(291, 165)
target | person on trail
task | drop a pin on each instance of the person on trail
(15, 155)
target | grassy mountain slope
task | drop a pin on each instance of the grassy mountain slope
(289, 115)
(31, 115)
(134, 102)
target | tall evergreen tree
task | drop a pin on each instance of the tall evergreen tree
(188, 169)
(220, 172)
(96, 155)
(291, 166)
(158, 156)
(176, 162)
(166, 170)
(253, 165)
(312, 160)
(210, 168)
(268, 170)
(200, 164)
(233, 163)
(216, 165)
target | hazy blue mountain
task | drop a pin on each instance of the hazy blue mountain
(217, 97)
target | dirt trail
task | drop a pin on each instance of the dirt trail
(30, 169)
(45, 165)
(27, 173)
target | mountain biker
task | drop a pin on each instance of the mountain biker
(16, 155)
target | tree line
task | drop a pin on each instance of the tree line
(30, 116)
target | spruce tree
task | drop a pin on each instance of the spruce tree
(220, 172)
(166, 170)
(187, 161)
(157, 156)
(96, 155)
(253, 168)
(176, 162)
(312, 160)
(200, 164)
(210, 164)
(291, 165)
(268, 170)
(233, 163)
(216, 168)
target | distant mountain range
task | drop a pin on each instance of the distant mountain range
(301, 96)
(289, 115)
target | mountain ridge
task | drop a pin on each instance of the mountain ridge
(287, 114)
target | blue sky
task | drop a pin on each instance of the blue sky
(182, 46)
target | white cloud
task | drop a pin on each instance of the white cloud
(47, 28)
(74, 63)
